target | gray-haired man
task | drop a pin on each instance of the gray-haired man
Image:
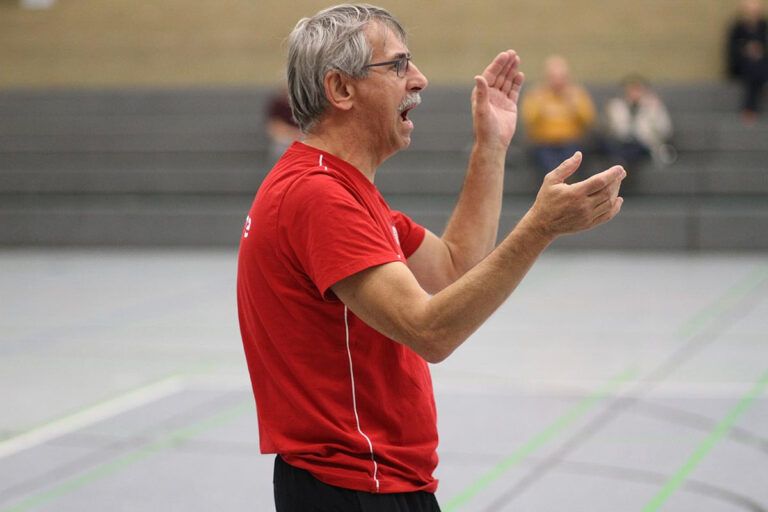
(342, 302)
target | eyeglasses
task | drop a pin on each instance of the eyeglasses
(401, 65)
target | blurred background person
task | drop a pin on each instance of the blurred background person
(747, 59)
(557, 115)
(282, 130)
(638, 125)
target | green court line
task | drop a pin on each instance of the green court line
(706, 446)
(174, 438)
(753, 280)
(735, 293)
(728, 299)
(540, 439)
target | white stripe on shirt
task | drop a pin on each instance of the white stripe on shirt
(354, 403)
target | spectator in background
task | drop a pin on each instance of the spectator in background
(747, 58)
(637, 125)
(281, 128)
(557, 115)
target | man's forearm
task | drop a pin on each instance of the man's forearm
(453, 314)
(389, 298)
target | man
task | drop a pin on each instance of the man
(557, 114)
(342, 302)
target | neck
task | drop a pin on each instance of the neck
(347, 141)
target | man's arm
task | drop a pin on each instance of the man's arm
(390, 299)
(473, 227)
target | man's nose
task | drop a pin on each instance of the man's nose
(416, 79)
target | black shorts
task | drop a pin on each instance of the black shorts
(296, 490)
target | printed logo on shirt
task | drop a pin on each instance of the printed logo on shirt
(247, 229)
(394, 233)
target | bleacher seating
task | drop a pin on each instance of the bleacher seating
(180, 167)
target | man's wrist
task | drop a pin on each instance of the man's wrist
(490, 149)
(534, 229)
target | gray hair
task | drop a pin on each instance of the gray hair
(332, 40)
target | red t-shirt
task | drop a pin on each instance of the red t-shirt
(333, 396)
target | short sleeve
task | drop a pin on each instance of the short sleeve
(410, 234)
(328, 233)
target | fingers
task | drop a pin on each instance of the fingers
(502, 77)
(511, 73)
(495, 68)
(606, 194)
(604, 199)
(609, 213)
(481, 89)
(517, 85)
(502, 72)
(565, 169)
(514, 80)
(601, 180)
(603, 207)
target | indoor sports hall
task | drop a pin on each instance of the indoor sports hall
(627, 372)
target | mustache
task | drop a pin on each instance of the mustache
(410, 101)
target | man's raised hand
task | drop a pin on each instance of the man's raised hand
(494, 100)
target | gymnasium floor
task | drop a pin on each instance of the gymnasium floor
(608, 382)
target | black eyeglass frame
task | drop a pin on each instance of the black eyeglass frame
(401, 62)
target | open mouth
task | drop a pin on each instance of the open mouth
(408, 104)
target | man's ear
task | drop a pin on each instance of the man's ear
(339, 89)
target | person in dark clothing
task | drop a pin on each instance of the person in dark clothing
(747, 57)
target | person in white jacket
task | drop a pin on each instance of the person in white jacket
(638, 125)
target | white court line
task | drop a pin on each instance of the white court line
(86, 417)
(221, 383)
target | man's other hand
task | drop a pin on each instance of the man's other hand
(561, 208)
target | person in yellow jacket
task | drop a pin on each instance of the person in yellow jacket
(557, 115)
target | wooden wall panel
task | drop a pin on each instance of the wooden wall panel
(241, 42)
